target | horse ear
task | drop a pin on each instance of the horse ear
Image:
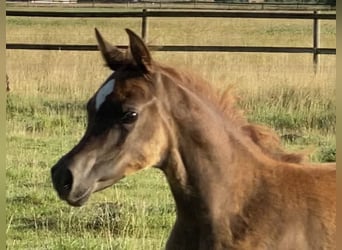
(140, 53)
(113, 57)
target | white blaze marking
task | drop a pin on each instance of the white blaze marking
(103, 93)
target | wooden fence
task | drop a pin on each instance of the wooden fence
(183, 4)
(145, 14)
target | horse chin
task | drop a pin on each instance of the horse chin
(81, 200)
(77, 203)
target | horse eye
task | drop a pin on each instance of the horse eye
(129, 117)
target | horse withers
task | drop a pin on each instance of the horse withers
(234, 185)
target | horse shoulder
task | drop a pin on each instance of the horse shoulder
(310, 195)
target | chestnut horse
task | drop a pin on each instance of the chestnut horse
(234, 185)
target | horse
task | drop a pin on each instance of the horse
(233, 184)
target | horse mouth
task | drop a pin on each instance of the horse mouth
(79, 200)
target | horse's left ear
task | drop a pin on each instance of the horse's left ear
(112, 55)
(140, 53)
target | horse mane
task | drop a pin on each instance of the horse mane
(262, 136)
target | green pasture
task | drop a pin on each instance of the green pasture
(46, 117)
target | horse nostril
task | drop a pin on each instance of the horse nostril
(67, 182)
(67, 187)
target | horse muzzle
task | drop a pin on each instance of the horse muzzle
(64, 183)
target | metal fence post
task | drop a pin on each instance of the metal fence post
(144, 26)
(316, 41)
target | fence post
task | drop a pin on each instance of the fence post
(144, 26)
(7, 83)
(316, 41)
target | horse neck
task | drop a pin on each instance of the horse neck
(209, 165)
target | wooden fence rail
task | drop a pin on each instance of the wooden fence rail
(167, 13)
(145, 14)
(194, 4)
(178, 48)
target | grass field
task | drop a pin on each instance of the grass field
(46, 117)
